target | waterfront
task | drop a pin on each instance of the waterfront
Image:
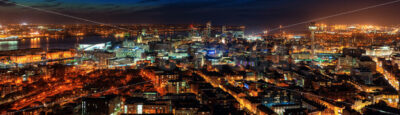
(54, 43)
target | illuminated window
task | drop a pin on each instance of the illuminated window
(139, 109)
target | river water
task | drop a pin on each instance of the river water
(53, 43)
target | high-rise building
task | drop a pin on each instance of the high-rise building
(223, 30)
(312, 28)
(208, 31)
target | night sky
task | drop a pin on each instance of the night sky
(255, 14)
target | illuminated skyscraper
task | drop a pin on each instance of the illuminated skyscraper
(223, 30)
(192, 30)
(208, 31)
(312, 28)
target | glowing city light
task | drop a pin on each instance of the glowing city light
(24, 23)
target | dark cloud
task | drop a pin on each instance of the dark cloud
(5, 3)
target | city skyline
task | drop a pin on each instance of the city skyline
(254, 14)
(199, 57)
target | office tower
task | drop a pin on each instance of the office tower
(223, 30)
(312, 28)
(208, 31)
